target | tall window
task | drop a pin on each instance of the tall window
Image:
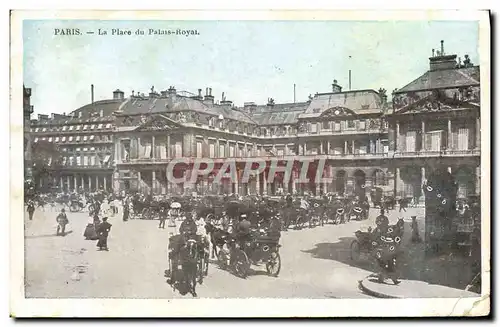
(313, 128)
(336, 126)
(362, 125)
(326, 125)
(199, 149)
(222, 150)
(212, 150)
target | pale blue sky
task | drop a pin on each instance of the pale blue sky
(248, 60)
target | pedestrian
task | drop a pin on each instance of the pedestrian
(415, 236)
(382, 221)
(102, 233)
(31, 209)
(163, 217)
(126, 211)
(62, 221)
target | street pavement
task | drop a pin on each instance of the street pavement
(316, 262)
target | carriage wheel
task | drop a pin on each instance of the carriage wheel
(273, 265)
(355, 250)
(241, 264)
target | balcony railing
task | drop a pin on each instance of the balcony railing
(441, 153)
(260, 157)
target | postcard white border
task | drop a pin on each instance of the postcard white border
(22, 307)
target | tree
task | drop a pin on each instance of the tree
(47, 161)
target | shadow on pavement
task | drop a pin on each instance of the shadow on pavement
(47, 235)
(447, 270)
(341, 252)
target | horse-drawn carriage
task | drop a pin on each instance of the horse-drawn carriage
(259, 248)
(187, 262)
(380, 243)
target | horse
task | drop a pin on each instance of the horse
(185, 279)
(218, 238)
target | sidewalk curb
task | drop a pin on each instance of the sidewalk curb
(370, 292)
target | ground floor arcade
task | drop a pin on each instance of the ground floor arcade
(74, 181)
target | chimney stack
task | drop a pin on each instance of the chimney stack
(199, 96)
(91, 93)
(335, 87)
(118, 94)
(224, 102)
(442, 61)
(209, 99)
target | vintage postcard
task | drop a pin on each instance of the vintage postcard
(250, 164)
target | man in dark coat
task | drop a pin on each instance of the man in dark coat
(126, 210)
(103, 232)
(163, 217)
(31, 209)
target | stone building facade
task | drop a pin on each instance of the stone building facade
(435, 125)
(84, 139)
(366, 141)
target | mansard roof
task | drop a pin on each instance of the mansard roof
(280, 113)
(443, 78)
(358, 101)
(181, 103)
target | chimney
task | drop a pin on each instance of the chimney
(335, 87)
(270, 102)
(172, 96)
(199, 96)
(209, 99)
(249, 107)
(441, 61)
(153, 93)
(118, 94)
(91, 93)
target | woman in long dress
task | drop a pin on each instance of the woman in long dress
(90, 231)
